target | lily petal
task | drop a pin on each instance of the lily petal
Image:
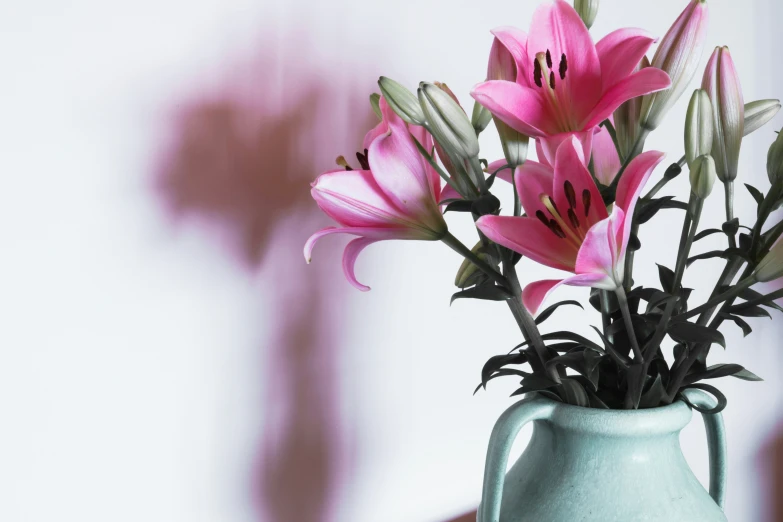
(631, 184)
(600, 252)
(515, 42)
(557, 28)
(376, 234)
(550, 144)
(354, 199)
(352, 251)
(536, 293)
(642, 82)
(620, 52)
(606, 162)
(532, 180)
(517, 106)
(530, 237)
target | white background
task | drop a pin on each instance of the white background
(165, 353)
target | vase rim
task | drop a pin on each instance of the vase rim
(644, 422)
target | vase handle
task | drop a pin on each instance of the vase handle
(503, 435)
(716, 441)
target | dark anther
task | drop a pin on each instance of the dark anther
(548, 59)
(542, 217)
(563, 66)
(556, 229)
(586, 201)
(572, 217)
(363, 160)
(537, 73)
(570, 194)
(552, 79)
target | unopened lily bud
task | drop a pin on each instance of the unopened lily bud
(468, 273)
(722, 84)
(502, 66)
(758, 113)
(375, 103)
(447, 121)
(626, 119)
(588, 10)
(480, 118)
(402, 101)
(678, 56)
(442, 154)
(771, 266)
(775, 160)
(702, 176)
(698, 126)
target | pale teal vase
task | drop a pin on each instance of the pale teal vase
(593, 465)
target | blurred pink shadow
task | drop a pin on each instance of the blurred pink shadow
(243, 158)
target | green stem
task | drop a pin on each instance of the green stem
(467, 253)
(728, 187)
(623, 300)
(605, 314)
(629, 259)
(662, 182)
(734, 291)
(764, 299)
(689, 227)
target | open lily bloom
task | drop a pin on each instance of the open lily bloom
(395, 196)
(566, 84)
(567, 225)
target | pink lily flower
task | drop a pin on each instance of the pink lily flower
(566, 84)
(394, 196)
(567, 225)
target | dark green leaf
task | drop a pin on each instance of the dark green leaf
(585, 362)
(756, 193)
(573, 393)
(485, 204)
(685, 332)
(499, 361)
(746, 329)
(709, 389)
(749, 294)
(707, 232)
(722, 370)
(729, 252)
(667, 278)
(731, 226)
(649, 208)
(749, 311)
(460, 205)
(619, 358)
(488, 293)
(652, 397)
(567, 336)
(635, 377)
(543, 316)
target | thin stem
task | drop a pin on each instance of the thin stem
(689, 227)
(467, 253)
(728, 187)
(726, 277)
(662, 182)
(623, 300)
(605, 314)
(629, 259)
(734, 291)
(764, 299)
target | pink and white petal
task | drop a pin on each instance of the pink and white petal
(352, 251)
(515, 42)
(606, 161)
(620, 52)
(354, 199)
(401, 172)
(600, 252)
(530, 237)
(569, 167)
(540, 153)
(376, 234)
(631, 184)
(532, 180)
(534, 294)
(424, 138)
(550, 144)
(557, 27)
(639, 83)
(518, 106)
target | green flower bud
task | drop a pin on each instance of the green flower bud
(375, 103)
(771, 266)
(626, 119)
(469, 274)
(515, 144)
(448, 123)
(402, 101)
(480, 118)
(703, 176)
(698, 126)
(775, 159)
(587, 9)
(759, 112)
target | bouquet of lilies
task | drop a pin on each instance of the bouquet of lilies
(590, 107)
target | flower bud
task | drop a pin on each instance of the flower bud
(480, 118)
(698, 126)
(702, 176)
(375, 103)
(447, 121)
(626, 118)
(442, 154)
(728, 112)
(402, 101)
(771, 265)
(678, 56)
(775, 160)
(502, 66)
(758, 113)
(587, 9)
(468, 273)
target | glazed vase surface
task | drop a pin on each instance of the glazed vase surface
(593, 465)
